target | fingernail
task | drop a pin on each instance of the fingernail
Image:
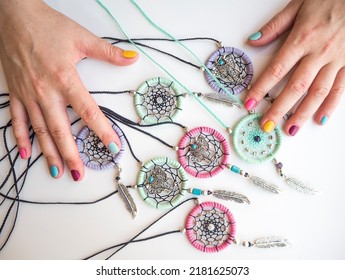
(129, 54)
(22, 153)
(113, 148)
(255, 36)
(54, 171)
(268, 126)
(75, 175)
(293, 130)
(250, 104)
(324, 119)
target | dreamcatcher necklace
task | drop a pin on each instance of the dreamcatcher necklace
(249, 141)
(210, 227)
(232, 67)
(161, 182)
(203, 152)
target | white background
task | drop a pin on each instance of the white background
(314, 225)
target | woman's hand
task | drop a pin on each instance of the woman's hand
(39, 48)
(315, 53)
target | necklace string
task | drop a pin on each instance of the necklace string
(162, 68)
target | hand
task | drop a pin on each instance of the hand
(39, 48)
(314, 52)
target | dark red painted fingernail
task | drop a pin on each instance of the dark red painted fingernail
(293, 130)
(75, 175)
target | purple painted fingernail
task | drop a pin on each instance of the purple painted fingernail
(75, 175)
(293, 130)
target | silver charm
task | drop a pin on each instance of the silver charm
(300, 186)
(127, 199)
(200, 151)
(232, 196)
(271, 242)
(257, 181)
(219, 98)
(159, 182)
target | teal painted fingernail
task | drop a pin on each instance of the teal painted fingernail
(255, 36)
(113, 148)
(54, 171)
(324, 120)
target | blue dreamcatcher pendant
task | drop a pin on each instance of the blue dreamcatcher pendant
(255, 146)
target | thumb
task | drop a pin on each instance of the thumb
(280, 23)
(102, 50)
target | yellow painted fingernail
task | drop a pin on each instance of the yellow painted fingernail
(129, 54)
(268, 126)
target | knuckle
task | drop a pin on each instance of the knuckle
(89, 114)
(320, 92)
(58, 134)
(71, 160)
(276, 71)
(337, 91)
(65, 78)
(298, 88)
(41, 131)
(276, 114)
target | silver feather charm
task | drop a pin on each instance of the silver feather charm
(232, 196)
(220, 98)
(300, 186)
(257, 181)
(127, 199)
(271, 242)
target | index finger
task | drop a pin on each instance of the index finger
(87, 108)
(286, 58)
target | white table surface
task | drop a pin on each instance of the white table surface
(313, 224)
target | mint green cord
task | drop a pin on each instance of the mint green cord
(160, 66)
(219, 84)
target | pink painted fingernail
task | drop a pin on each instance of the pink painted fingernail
(293, 130)
(75, 175)
(250, 104)
(22, 153)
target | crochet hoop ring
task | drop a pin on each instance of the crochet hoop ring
(252, 144)
(203, 152)
(162, 183)
(210, 227)
(93, 152)
(232, 67)
(158, 100)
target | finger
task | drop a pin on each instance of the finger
(295, 88)
(332, 100)
(280, 23)
(59, 127)
(283, 62)
(100, 49)
(20, 124)
(45, 140)
(317, 93)
(88, 110)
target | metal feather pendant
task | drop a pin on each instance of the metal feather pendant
(300, 186)
(232, 196)
(127, 199)
(257, 181)
(271, 242)
(219, 98)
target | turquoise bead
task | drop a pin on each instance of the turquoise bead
(151, 179)
(194, 146)
(197, 191)
(235, 169)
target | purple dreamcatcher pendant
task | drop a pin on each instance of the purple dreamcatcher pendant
(94, 153)
(232, 68)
